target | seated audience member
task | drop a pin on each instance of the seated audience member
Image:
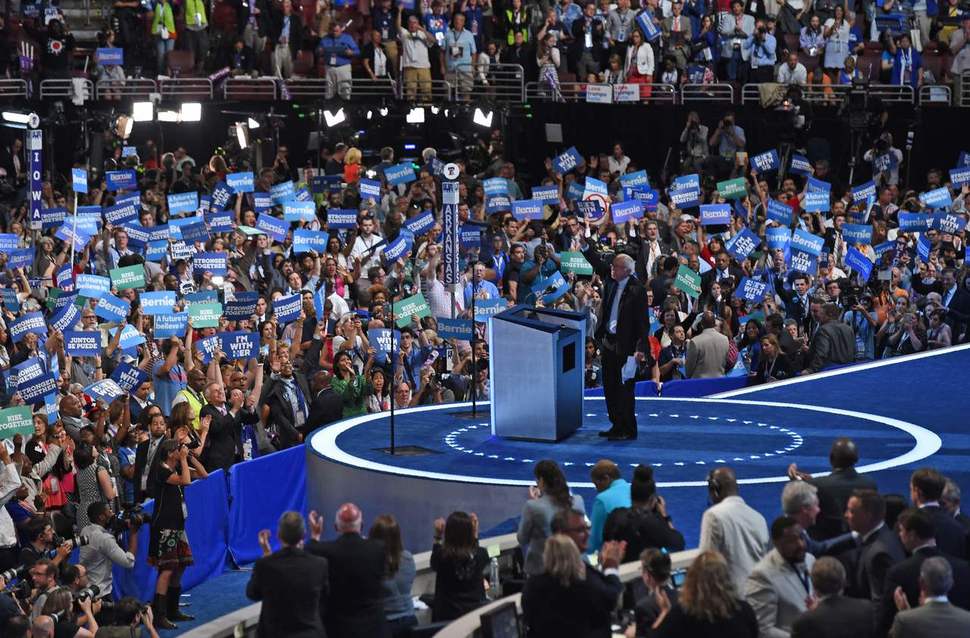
(830, 614)
(459, 564)
(399, 575)
(646, 522)
(880, 548)
(551, 494)
(779, 585)
(655, 578)
(935, 617)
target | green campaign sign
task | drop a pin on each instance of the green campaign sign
(575, 263)
(688, 281)
(205, 315)
(732, 188)
(407, 308)
(18, 420)
(128, 277)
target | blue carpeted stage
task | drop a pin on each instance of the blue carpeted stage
(903, 413)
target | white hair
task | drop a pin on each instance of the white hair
(798, 495)
(626, 260)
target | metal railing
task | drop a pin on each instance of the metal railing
(706, 93)
(892, 93)
(617, 94)
(963, 98)
(198, 88)
(368, 88)
(309, 88)
(935, 94)
(13, 88)
(66, 88)
(129, 87)
(425, 92)
(241, 88)
(495, 82)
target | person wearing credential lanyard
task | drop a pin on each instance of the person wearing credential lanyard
(459, 50)
(337, 48)
(907, 63)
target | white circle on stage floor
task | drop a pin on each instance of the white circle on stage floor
(324, 442)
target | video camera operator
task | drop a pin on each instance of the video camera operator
(694, 139)
(103, 549)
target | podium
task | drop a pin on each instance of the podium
(537, 366)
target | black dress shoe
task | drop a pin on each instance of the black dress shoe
(622, 437)
(610, 432)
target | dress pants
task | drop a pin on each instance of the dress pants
(620, 403)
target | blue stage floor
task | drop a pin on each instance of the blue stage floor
(903, 413)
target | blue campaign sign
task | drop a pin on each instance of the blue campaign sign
(239, 346)
(574, 191)
(296, 211)
(385, 340)
(807, 242)
(326, 183)
(800, 165)
(79, 238)
(497, 203)
(63, 300)
(93, 286)
(370, 188)
(272, 226)
(128, 198)
(109, 56)
(685, 198)
(30, 322)
(496, 186)
(262, 202)
(20, 258)
(8, 242)
(243, 306)
(10, 300)
(948, 222)
(241, 182)
(158, 303)
(130, 337)
(685, 182)
(818, 186)
(766, 162)
(305, 241)
(960, 176)
(338, 218)
(751, 290)
(287, 309)
(34, 387)
(648, 197)
(303, 195)
(862, 192)
(156, 251)
(485, 308)
(779, 212)
(212, 262)
(742, 244)
(627, 211)
(884, 162)
(196, 231)
(219, 200)
(567, 161)
(220, 222)
(859, 262)
(923, 248)
(470, 236)
(546, 194)
(106, 390)
(112, 308)
(202, 297)
(914, 222)
(128, 377)
(172, 325)
(650, 31)
(82, 344)
(964, 159)
(636, 179)
(936, 198)
(126, 180)
(64, 278)
(777, 237)
(397, 248)
(79, 180)
(816, 202)
(282, 192)
(420, 223)
(460, 329)
(715, 214)
(590, 209)
(66, 317)
(883, 248)
(593, 186)
(527, 209)
(399, 174)
(857, 233)
(53, 217)
(181, 203)
(138, 235)
(121, 214)
(799, 261)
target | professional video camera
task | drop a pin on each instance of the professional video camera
(91, 591)
(132, 518)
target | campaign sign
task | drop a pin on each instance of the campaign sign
(33, 387)
(685, 198)
(556, 286)
(777, 237)
(766, 162)
(779, 212)
(326, 183)
(862, 192)
(527, 209)
(17, 420)
(485, 308)
(272, 226)
(138, 235)
(219, 200)
(341, 218)
(574, 262)
(715, 214)
(82, 344)
(220, 222)
(800, 165)
(420, 223)
(497, 203)
(599, 93)
(751, 290)
(305, 241)
(158, 303)
(914, 222)
(66, 317)
(20, 258)
(172, 325)
(454, 329)
(923, 247)
(112, 308)
(30, 322)
(742, 244)
(799, 261)
(650, 31)
(399, 174)
(496, 186)
(884, 162)
(688, 281)
(883, 248)
(413, 306)
(960, 176)
(68, 233)
(243, 306)
(294, 211)
(282, 192)
(10, 300)
(626, 93)
(591, 209)
(52, 217)
(205, 315)
(635, 180)
(241, 182)
(196, 231)
(262, 202)
(385, 340)
(106, 390)
(964, 159)
(936, 198)
(857, 233)
(129, 377)
(239, 346)
(626, 211)
(807, 242)
(818, 186)
(128, 277)
(287, 309)
(649, 197)
(370, 188)
(126, 180)
(79, 180)
(816, 202)
(8, 242)
(181, 250)
(109, 56)
(120, 214)
(859, 262)
(732, 188)
(567, 161)
(948, 222)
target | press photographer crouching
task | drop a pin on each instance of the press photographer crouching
(129, 614)
(100, 548)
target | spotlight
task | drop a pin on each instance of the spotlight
(251, 123)
(122, 126)
(242, 135)
(370, 114)
(168, 116)
(333, 119)
(383, 111)
(142, 111)
(415, 115)
(16, 118)
(191, 112)
(483, 119)
(434, 110)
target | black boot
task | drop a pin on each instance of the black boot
(174, 594)
(159, 611)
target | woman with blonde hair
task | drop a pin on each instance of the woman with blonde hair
(708, 605)
(352, 161)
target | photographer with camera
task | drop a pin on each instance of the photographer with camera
(43, 543)
(885, 159)
(129, 613)
(694, 139)
(103, 549)
(863, 321)
(43, 577)
(763, 46)
(729, 138)
(59, 607)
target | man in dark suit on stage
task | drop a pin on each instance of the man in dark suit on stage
(146, 457)
(950, 501)
(834, 615)
(622, 330)
(356, 565)
(956, 300)
(925, 490)
(880, 547)
(292, 584)
(224, 445)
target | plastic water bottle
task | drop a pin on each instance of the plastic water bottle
(247, 443)
(495, 590)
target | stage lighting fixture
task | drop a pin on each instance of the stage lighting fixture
(370, 114)
(143, 111)
(483, 119)
(168, 116)
(333, 119)
(16, 118)
(435, 110)
(383, 111)
(122, 126)
(415, 115)
(242, 135)
(191, 112)
(251, 123)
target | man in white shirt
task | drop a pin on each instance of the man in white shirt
(793, 71)
(732, 527)
(618, 161)
(415, 41)
(102, 549)
(366, 246)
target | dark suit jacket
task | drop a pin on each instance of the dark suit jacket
(834, 491)
(605, 591)
(296, 30)
(633, 324)
(964, 521)
(835, 617)
(709, 277)
(794, 308)
(356, 565)
(552, 610)
(225, 437)
(951, 537)
(141, 458)
(643, 256)
(293, 586)
(833, 344)
(327, 407)
(958, 312)
(281, 420)
(872, 562)
(906, 575)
